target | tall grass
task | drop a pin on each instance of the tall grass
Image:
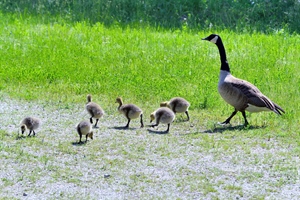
(258, 15)
(63, 62)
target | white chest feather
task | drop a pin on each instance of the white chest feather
(229, 93)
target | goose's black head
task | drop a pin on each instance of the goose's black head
(212, 38)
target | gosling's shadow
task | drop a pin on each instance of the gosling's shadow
(22, 137)
(157, 132)
(222, 128)
(181, 120)
(79, 143)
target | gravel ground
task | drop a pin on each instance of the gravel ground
(136, 163)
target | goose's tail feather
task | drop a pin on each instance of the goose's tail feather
(278, 109)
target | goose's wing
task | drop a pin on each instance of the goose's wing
(254, 95)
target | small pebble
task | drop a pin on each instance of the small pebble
(106, 175)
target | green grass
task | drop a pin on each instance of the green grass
(56, 65)
(63, 62)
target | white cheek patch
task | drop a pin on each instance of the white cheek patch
(214, 40)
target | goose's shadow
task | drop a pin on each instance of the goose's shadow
(221, 129)
(122, 128)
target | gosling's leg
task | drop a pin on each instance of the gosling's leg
(153, 125)
(167, 131)
(157, 122)
(187, 114)
(80, 136)
(29, 132)
(142, 124)
(96, 123)
(127, 125)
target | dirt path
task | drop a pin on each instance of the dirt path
(136, 163)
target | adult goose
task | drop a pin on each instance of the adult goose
(242, 95)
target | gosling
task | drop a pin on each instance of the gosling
(177, 105)
(162, 115)
(130, 111)
(30, 123)
(94, 110)
(84, 128)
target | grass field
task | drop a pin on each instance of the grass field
(48, 69)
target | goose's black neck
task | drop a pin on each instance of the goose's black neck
(224, 63)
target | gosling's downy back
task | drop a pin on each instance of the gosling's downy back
(94, 110)
(130, 111)
(177, 105)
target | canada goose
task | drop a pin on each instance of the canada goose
(84, 128)
(178, 105)
(30, 123)
(239, 93)
(94, 110)
(130, 111)
(162, 115)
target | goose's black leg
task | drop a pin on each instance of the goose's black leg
(227, 121)
(91, 120)
(244, 115)
(29, 132)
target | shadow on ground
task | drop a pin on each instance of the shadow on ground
(157, 132)
(221, 129)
